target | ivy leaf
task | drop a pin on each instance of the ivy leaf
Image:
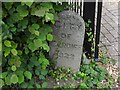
(14, 51)
(17, 63)
(35, 26)
(26, 51)
(28, 74)
(40, 12)
(14, 79)
(20, 78)
(19, 52)
(13, 68)
(27, 2)
(3, 75)
(1, 83)
(23, 23)
(7, 43)
(22, 10)
(13, 29)
(40, 60)
(44, 85)
(7, 51)
(49, 17)
(32, 30)
(49, 37)
(7, 80)
(45, 62)
(37, 33)
(46, 47)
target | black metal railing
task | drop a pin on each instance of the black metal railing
(89, 11)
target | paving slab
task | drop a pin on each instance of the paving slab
(109, 28)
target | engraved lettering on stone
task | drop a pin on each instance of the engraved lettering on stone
(65, 55)
(69, 30)
(63, 35)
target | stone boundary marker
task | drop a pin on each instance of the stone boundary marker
(66, 48)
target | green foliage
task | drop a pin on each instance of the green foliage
(89, 40)
(94, 76)
(14, 79)
(26, 31)
(91, 76)
(60, 73)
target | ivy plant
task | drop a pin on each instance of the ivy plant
(26, 31)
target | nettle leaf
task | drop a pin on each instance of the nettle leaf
(22, 10)
(47, 5)
(47, 28)
(38, 42)
(58, 8)
(24, 85)
(39, 12)
(8, 5)
(42, 77)
(44, 85)
(14, 52)
(44, 72)
(49, 17)
(30, 86)
(11, 11)
(32, 47)
(32, 30)
(1, 83)
(37, 72)
(15, 17)
(7, 43)
(46, 47)
(49, 37)
(14, 79)
(13, 68)
(28, 74)
(37, 85)
(42, 36)
(23, 23)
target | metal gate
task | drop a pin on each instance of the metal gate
(89, 11)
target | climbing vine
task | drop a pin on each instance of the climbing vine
(26, 31)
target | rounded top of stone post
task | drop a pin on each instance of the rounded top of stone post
(66, 13)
